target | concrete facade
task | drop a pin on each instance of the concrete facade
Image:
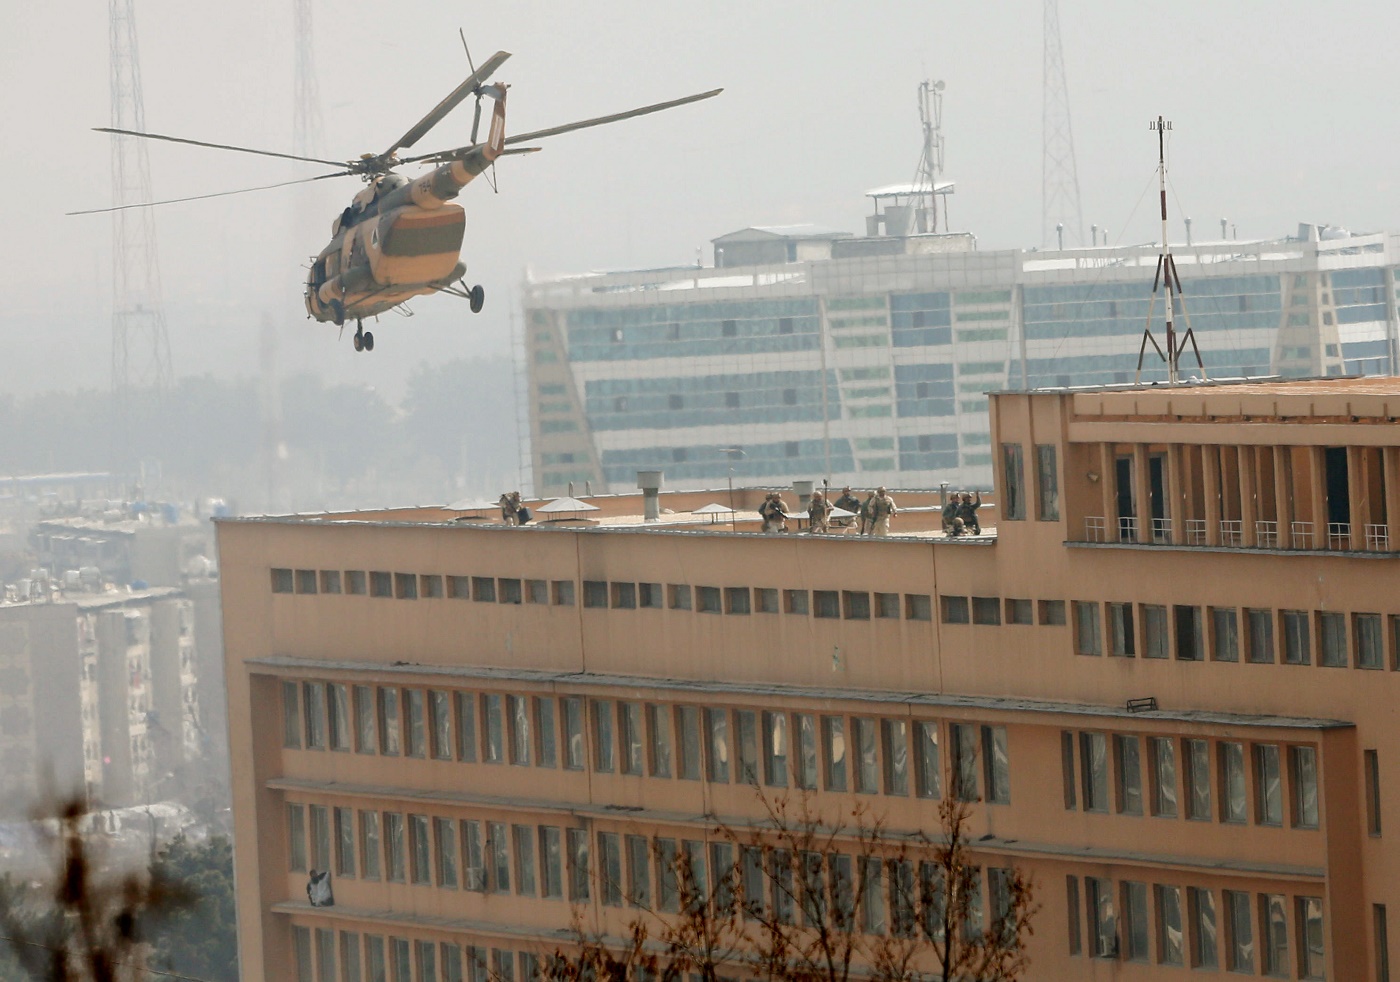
(1165, 671)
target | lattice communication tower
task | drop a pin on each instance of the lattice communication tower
(1061, 215)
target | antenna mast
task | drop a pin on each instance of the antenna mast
(1060, 210)
(931, 163)
(306, 112)
(1167, 276)
(140, 344)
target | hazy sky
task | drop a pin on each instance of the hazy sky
(1281, 111)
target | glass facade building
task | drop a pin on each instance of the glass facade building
(872, 368)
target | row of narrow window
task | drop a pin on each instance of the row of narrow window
(897, 895)
(1185, 926)
(1107, 769)
(376, 958)
(615, 595)
(1228, 634)
(867, 755)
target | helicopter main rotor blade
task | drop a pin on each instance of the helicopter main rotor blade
(599, 121)
(216, 194)
(459, 153)
(469, 87)
(218, 146)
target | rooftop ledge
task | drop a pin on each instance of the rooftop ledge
(1236, 550)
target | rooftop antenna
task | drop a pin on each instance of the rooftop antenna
(1168, 278)
(931, 163)
(1059, 175)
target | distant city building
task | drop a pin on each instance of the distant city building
(810, 353)
(1159, 675)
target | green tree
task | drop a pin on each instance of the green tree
(198, 938)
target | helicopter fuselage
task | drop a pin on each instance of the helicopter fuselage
(398, 239)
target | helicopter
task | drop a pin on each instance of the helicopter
(400, 238)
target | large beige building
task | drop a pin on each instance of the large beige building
(1163, 674)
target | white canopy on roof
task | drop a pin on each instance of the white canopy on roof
(559, 505)
(713, 509)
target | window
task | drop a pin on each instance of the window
(1261, 636)
(629, 717)
(1382, 935)
(1086, 628)
(1127, 761)
(572, 707)
(955, 610)
(330, 581)
(964, 739)
(494, 752)
(1134, 897)
(394, 857)
(1104, 918)
(389, 721)
(320, 837)
(688, 742)
(405, 586)
(1093, 755)
(867, 759)
(369, 845)
(1273, 912)
(1372, 774)
(577, 841)
(381, 584)
(1154, 631)
(306, 581)
(1268, 785)
(609, 869)
(872, 908)
(894, 734)
(731, 400)
(508, 590)
(1047, 484)
(484, 589)
(291, 715)
(1204, 945)
(996, 764)
(281, 581)
(415, 732)
(466, 727)
(1303, 763)
(1224, 629)
(537, 591)
(650, 595)
(602, 710)
(1366, 637)
(806, 763)
(551, 863)
(314, 694)
(301, 950)
(1189, 646)
(1120, 626)
(737, 600)
(917, 607)
(1312, 960)
(1052, 613)
(563, 593)
(695, 884)
(459, 587)
(440, 724)
(887, 606)
(707, 600)
(986, 610)
(1197, 754)
(1241, 924)
(668, 890)
(796, 602)
(729, 328)
(659, 740)
(1163, 776)
(680, 596)
(1332, 635)
(624, 596)
(419, 849)
(296, 838)
(344, 842)
(1170, 930)
(638, 871)
(355, 582)
(928, 776)
(826, 603)
(716, 746)
(1232, 793)
(1296, 643)
(1019, 612)
(427, 960)
(1013, 481)
(834, 752)
(855, 605)
(1067, 779)
(445, 851)
(595, 593)
(765, 600)
(524, 837)
(498, 848)
(518, 725)
(775, 749)
(350, 957)
(1072, 914)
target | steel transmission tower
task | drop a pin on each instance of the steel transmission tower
(1061, 215)
(306, 112)
(140, 344)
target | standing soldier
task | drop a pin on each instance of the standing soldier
(773, 511)
(818, 513)
(848, 502)
(967, 511)
(510, 508)
(867, 519)
(881, 509)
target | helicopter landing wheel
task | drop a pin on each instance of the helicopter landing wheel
(359, 338)
(477, 296)
(369, 341)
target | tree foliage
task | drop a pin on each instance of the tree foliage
(198, 938)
